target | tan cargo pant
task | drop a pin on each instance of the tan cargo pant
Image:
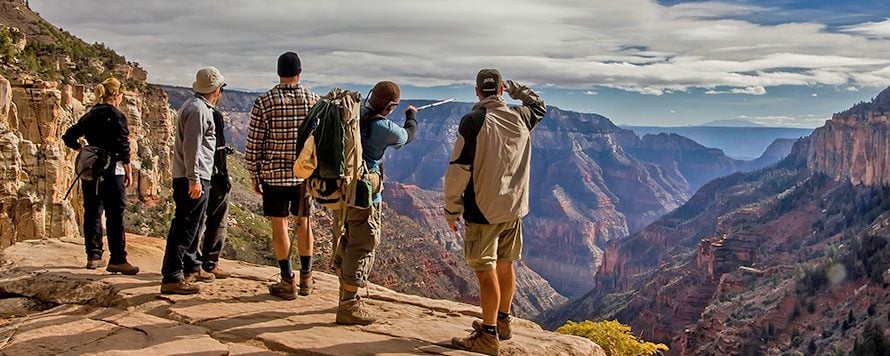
(356, 251)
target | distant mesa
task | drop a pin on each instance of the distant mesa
(730, 123)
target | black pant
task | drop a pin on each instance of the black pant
(111, 197)
(215, 225)
(181, 252)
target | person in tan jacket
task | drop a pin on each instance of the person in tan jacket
(487, 183)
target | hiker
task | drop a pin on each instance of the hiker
(105, 127)
(193, 149)
(355, 255)
(213, 233)
(271, 151)
(487, 183)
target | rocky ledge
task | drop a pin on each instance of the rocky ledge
(51, 306)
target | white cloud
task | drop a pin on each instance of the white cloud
(590, 92)
(852, 88)
(633, 45)
(756, 90)
(814, 95)
(870, 29)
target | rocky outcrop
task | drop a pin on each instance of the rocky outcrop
(76, 311)
(855, 144)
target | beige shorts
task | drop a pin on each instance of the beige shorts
(485, 244)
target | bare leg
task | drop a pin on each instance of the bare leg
(506, 284)
(280, 241)
(489, 295)
(305, 238)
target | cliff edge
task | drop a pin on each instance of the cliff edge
(51, 305)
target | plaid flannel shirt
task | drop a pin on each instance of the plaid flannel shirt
(272, 136)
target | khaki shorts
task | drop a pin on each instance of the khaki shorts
(485, 244)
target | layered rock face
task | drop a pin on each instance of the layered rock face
(762, 261)
(696, 163)
(854, 146)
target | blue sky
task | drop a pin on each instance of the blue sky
(640, 62)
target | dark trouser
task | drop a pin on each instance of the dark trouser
(112, 198)
(356, 250)
(182, 240)
(214, 232)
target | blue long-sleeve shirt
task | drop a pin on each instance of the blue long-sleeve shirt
(380, 133)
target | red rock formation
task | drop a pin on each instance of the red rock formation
(855, 147)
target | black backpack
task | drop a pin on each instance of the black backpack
(91, 163)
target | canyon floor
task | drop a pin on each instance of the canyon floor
(52, 306)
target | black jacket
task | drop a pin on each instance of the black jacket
(105, 127)
(220, 167)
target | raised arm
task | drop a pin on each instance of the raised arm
(533, 108)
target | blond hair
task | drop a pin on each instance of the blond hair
(107, 89)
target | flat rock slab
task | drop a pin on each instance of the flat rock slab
(97, 313)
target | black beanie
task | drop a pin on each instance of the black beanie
(289, 65)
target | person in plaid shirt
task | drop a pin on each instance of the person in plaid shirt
(271, 151)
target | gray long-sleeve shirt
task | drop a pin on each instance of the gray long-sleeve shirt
(195, 140)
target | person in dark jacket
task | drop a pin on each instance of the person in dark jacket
(215, 226)
(105, 126)
(356, 250)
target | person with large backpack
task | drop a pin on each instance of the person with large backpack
(355, 251)
(274, 125)
(104, 170)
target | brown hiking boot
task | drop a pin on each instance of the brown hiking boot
(284, 289)
(219, 273)
(95, 264)
(181, 287)
(200, 276)
(478, 341)
(505, 332)
(354, 312)
(123, 268)
(307, 284)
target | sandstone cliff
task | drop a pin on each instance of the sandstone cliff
(52, 306)
(762, 262)
(39, 100)
(855, 144)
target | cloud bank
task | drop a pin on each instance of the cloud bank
(633, 45)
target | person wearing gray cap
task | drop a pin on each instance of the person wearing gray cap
(193, 150)
(487, 183)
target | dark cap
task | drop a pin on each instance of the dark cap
(489, 80)
(289, 65)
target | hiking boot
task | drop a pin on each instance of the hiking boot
(200, 276)
(181, 287)
(123, 268)
(505, 332)
(478, 341)
(307, 284)
(284, 289)
(219, 273)
(354, 312)
(95, 264)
